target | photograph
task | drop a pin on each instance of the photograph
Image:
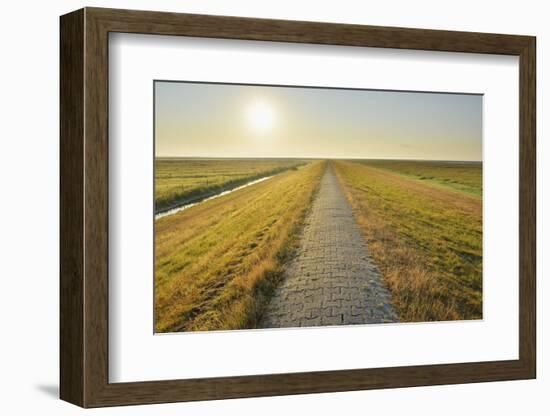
(287, 206)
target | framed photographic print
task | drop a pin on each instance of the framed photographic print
(255, 207)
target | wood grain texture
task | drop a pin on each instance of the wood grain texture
(84, 207)
(162, 23)
(71, 213)
(527, 208)
(96, 208)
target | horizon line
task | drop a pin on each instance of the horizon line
(318, 157)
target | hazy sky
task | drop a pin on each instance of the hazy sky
(220, 120)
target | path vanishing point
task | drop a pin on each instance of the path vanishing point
(331, 280)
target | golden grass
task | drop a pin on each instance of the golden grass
(426, 240)
(181, 181)
(218, 263)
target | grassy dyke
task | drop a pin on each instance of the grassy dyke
(181, 181)
(465, 177)
(426, 240)
(218, 263)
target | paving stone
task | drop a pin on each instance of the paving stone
(332, 280)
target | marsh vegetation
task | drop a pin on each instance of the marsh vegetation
(180, 181)
(218, 263)
(424, 234)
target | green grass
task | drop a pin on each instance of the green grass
(464, 177)
(426, 240)
(181, 181)
(218, 263)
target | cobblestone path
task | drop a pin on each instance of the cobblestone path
(332, 280)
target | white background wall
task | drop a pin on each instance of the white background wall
(29, 211)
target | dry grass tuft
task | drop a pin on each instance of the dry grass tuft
(417, 293)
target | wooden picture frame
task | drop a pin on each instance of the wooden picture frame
(84, 207)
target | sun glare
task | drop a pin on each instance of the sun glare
(260, 116)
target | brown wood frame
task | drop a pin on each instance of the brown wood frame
(84, 207)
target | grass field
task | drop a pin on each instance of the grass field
(181, 181)
(218, 262)
(423, 225)
(465, 177)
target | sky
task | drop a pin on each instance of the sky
(232, 120)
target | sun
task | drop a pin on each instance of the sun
(260, 115)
